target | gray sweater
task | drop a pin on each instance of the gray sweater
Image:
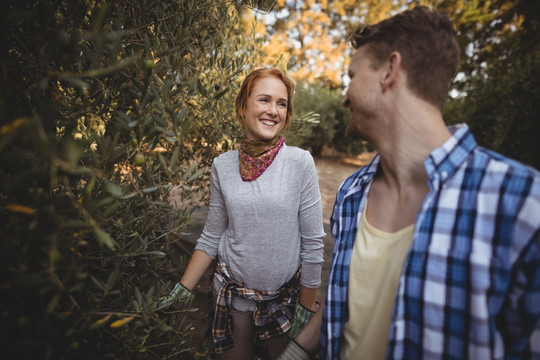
(264, 229)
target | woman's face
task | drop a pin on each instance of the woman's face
(266, 109)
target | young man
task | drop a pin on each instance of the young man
(437, 240)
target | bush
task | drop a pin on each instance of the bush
(105, 108)
(324, 121)
(501, 108)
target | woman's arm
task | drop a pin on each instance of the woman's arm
(182, 291)
(207, 244)
(308, 338)
(311, 229)
(308, 298)
(307, 342)
(198, 264)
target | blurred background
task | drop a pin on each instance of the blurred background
(111, 113)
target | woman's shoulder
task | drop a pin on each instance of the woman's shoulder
(300, 164)
(227, 157)
(226, 164)
(298, 160)
(296, 152)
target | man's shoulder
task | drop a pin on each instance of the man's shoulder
(482, 164)
(355, 176)
(498, 175)
(357, 180)
(364, 173)
(511, 168)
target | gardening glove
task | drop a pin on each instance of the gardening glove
(301, 317)
(294, 351)
(179, 293)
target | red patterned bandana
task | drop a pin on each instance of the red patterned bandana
(256, 156)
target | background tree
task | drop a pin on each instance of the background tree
(494, 92)
(309, 37)
(501, 80)
(327, 128)
(105, 107)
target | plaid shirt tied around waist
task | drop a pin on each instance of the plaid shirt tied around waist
(274, 308)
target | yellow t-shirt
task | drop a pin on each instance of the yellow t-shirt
(376, 264)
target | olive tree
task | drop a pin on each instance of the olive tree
(105, 108)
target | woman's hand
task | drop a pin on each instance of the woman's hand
(301, 317)
(179, 293)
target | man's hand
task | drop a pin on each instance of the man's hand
(293, 351)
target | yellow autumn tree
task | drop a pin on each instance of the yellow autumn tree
(309, 38)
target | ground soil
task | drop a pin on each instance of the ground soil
(332, 169)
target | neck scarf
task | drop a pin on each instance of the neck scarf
(256, 156)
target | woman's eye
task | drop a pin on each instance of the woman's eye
(263, 100)
(283, 105)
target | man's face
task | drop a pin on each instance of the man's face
(362, 95)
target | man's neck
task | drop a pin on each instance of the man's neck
(414, 131)
(401, 183)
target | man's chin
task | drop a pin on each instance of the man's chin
(353, 133)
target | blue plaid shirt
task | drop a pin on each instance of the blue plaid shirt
(470, 284)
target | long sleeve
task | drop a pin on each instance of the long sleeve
(311, 227)
(216, 222)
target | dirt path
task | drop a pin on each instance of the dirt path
(332, 171)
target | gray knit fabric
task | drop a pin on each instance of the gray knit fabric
(264, 229)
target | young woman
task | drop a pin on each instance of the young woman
(264, 228)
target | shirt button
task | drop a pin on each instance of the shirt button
(444, 175)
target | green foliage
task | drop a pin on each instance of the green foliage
(502, 111)
(502, 95)
(105, 108)
(329, 130)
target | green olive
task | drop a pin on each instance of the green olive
(139, 159)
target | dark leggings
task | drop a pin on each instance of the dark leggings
(243, 333)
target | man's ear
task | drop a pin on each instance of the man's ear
(391, 68)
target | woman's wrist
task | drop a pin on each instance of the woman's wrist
(308, 298)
